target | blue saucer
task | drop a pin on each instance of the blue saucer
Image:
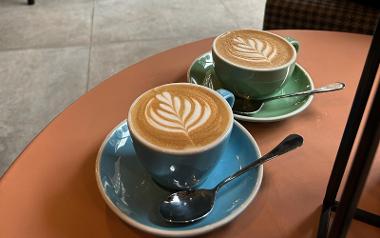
(131, 193)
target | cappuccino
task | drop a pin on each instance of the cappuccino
(253, 49)
(180, 117)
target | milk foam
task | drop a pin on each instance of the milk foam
(253, 49)
(180, 117)
(176, 114)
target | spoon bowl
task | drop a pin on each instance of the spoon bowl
(187, 206)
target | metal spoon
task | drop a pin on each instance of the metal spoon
(247, 105)
(192, 205)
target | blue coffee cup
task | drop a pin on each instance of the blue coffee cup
(179, 170)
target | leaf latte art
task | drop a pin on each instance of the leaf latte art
(252, 49)
(179, 117)
(176, 114)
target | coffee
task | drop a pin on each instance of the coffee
(180, 117)
(253, 49)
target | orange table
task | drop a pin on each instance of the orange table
(50, 191)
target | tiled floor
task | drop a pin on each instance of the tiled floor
(54, 51)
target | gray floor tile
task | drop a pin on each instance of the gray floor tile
(117, 20)
(109, 59)
(51, 25)
(35, 85)
(198, 19)
(246, 13)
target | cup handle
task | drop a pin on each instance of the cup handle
(227, 95)
(294, 42)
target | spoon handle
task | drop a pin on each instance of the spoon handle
(327, 88)
(291, 142)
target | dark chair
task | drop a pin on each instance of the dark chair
(357, 16)
(30, 2)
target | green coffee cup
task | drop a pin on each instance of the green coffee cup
(253, 63)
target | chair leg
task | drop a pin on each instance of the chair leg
(30, 2)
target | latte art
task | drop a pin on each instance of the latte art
(180, 117)
(253, 49)
(176, 114)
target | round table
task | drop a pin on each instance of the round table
(50, 191)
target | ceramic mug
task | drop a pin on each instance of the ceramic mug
(179, 170)
(250, 81)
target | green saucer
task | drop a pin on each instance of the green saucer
(202, 72)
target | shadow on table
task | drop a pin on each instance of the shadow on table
(308, 227)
